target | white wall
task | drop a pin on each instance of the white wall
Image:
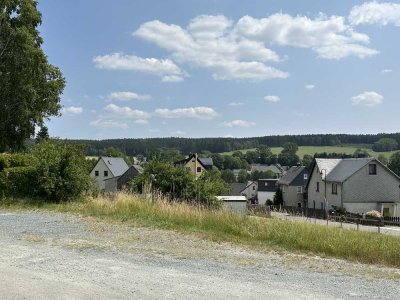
(264, 196)
(101, 167)
(236, 206)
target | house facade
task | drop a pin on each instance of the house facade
(293, 185)
(196, 165)
(118, 183)
(357, 184)
(266, 190)
(250, 191)
(108, 168)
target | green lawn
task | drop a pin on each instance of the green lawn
(311, 150)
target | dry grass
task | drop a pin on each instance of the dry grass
(321, 240)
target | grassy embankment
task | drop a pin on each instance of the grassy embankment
(275, 234)
(311, 150)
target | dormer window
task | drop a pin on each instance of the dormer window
(372, 169)
(305, 176)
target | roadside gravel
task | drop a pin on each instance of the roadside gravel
(61, 256)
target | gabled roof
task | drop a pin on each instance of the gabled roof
(207, 161)
(237, 188)
(186, 160)
(291, 175)
(117, 165)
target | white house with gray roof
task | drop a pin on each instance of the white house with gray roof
(107, 168)
(357, 184)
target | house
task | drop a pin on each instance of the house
(275, 169)
(237, 188)
(197, 165)
(119, 182)
(357, 184)
(106, 168)
(293, 186)
(236, 204)
(250, 191)
(266, 190)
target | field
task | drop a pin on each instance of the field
(311, 150)
(365, 247)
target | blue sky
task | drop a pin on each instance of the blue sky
(219, 68)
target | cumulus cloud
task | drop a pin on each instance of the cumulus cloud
(109, 123)
(238, 123)
(72, 110)
(154, 66)
(209, 42)
(272, 98)
(142, 122)
(172, 78)
(309, 87)
(201, 112)
(125, 111)
(329, 37)
(369, 99)
(127, 96)
(384, 13)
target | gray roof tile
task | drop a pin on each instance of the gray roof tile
(117, 165)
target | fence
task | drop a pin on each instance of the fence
(346, 218)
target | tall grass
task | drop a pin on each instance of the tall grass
(358, 246)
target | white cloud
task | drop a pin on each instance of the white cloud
(126, 96)
(238, 123)
(109, 123)
(72, 110)
(309, 87)
(142, 122)
(375, 13)
(201, 112)
(329, 37)
(209, 42)
(172, 78)
(236, 104)
(272, 98)
(125, 111)
(367, 99)
(385, 71)
(228, 136)
(154, 66)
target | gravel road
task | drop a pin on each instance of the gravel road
(60, 256)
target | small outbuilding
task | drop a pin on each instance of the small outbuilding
(236, 204)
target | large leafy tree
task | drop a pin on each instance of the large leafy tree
(30, 86)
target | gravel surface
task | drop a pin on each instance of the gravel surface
(60, 256)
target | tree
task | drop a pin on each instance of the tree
(382, 158)
(228, 176)
(394, 163)
(42, 135)
(290, 148)
(360, 153)
(243, 176)
(278, 197)
(264, 152)
(385, 145)
(30, 86)
(307, 160)
(115, 152)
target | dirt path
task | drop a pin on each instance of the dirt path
(59, 256)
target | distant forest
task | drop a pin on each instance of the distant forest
(132, 147)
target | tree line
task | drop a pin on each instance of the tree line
(145, 146)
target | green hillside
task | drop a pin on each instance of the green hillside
(311, 150)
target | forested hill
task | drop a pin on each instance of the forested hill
(216, 145)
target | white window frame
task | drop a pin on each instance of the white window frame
(305, 176)
(299, 190)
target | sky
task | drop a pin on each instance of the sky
(223, 68)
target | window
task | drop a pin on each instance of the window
(96, 173)
(198, 169)
(334, 188)
(372, 169)
(317, 190)
(105, 173)
(305, 176)
(265, 183)
(299, 204)
(299, 189)
(254, 187)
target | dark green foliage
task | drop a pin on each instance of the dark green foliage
(382, 158)
(42, 135)
(359, 153)
(243, 176)
(178, 183)
(166, 154)
(385, 145)
(228, 176)
(30, 86)
(115, 152)
(394, 163)
(278, 198)
(262, 175)
(54, 171)
(307, 160)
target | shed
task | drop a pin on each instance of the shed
(236, 204)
